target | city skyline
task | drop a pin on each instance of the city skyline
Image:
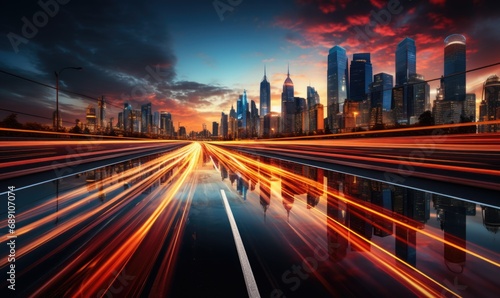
(197, 69)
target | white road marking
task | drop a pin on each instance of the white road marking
(253, 291)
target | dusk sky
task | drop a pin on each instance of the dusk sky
(193, 60)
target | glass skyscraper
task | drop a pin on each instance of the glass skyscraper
(146, 118)
(265, 96)
(381, 91)
(361, 76)
(312, 97)
(337, 84)
(491, 103)
(406, 61)
(288, 106)
(380, 97)
(454, 67)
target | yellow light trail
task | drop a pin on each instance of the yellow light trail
(235, 161)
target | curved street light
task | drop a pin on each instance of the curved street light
(58, 73)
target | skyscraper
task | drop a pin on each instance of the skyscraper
(288, 106)
(265, 95)
(101, 114)
(418, 97)
(312, 97)
(215, 129)
(91, 118)
(166, 124)
(470, 107)
(146, 118)
(491, 99)
(454, 67)
(380, 94)
(224, 126)
(242, 110)
(361, 76)
(127, 117)
(406, 61)
(337, 85)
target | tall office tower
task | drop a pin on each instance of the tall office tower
(254, 119)
(101, 114)
(166, 124)
(380, 95)
(454, 67)
(120, 120)
(265, 95)
(337, 85)
(418, 97)
(242, 109)
(127, 117)
(301, 121)
(288, 106)
(312, 97)
(406, 61)
(215, 129)
(316, 121)
(361, 76)
(137, 121)
(156, 122)
(232, 113)
(470, 107)
(491, 99)
(146, 118)
(224, 125)
(91, 118)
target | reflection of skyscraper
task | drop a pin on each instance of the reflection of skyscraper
(336, 234)
(337, 85)
(264, 186)
(406, 238)
(454, 67)
(454, 232)
(361, 225)
(406, 61)
(242, 187)
(491, 218)
(382, 196)
(315, 186)
(265, 96)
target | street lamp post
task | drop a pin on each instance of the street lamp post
(56, 127)
(355, 122)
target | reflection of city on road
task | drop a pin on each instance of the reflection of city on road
(359, 209)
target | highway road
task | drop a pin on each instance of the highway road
(219, 220)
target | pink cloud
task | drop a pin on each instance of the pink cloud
(438, 2)
(358, 20)
(378, 3)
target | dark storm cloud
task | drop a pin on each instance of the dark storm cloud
(377, 26)
(124, 48)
